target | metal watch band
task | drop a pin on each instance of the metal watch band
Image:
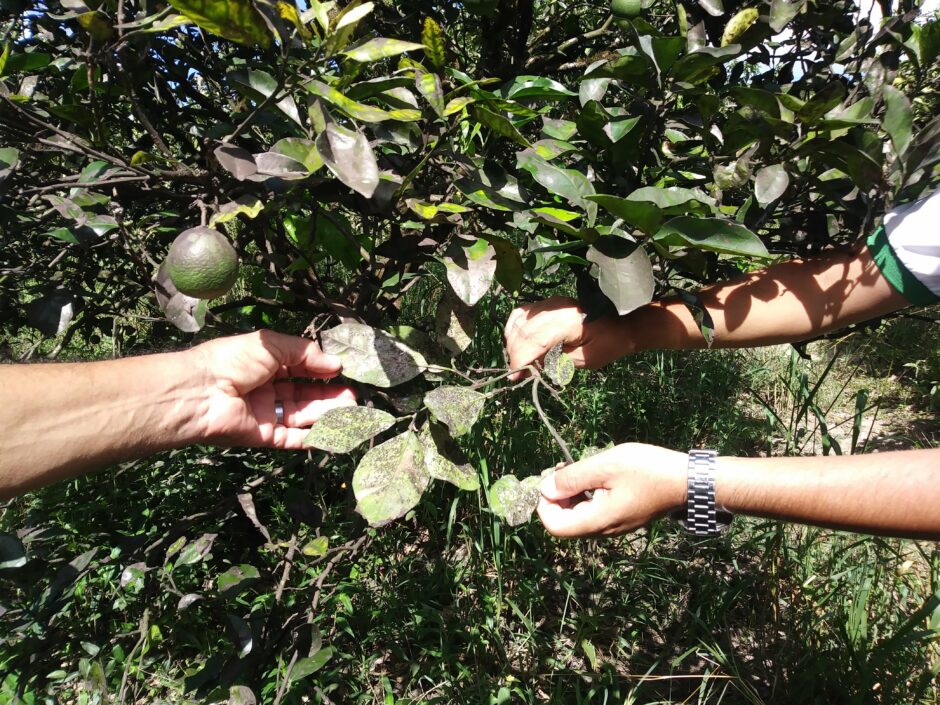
(701, 513)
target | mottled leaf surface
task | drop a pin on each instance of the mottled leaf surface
(514, 501)
(469, 273)
(341, 430)
(559, 366)
(237, 578)
(390, 479)
(440, 467)
(372, 356)
(457, 407)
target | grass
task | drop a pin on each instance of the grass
(451, 606)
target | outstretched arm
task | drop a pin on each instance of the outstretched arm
(783, 303)
(894, 494)
(60, 420)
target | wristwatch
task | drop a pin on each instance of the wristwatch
(702, 516)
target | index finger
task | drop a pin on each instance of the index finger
(301, 357)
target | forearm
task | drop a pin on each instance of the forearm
(60, 420)
(895, 493)
(784, 303)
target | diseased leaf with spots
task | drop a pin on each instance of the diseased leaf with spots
(514, 501)
(310, 665)
(237, 579)
(349, 156)
(432, 36)
(343, 429)
(470, 277)
(454, 324)
(246, 205)
(559, 366)
(196, 551)
(356, 110)
(429, 86)
(237, 20)
(440, 467)
(390, 479)
(457, 407)
(372, 356)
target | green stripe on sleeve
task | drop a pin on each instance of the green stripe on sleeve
(899, 276)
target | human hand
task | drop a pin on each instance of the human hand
(631, 485)
(534, 329)
(245, 374)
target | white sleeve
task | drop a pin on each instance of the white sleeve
(913, 231)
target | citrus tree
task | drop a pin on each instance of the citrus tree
(378, 176)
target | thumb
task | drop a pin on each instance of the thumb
(574, 479)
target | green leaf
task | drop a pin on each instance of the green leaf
(458, 104)
(359, 111)
(624, 272)
(698, 65)
(25, 63)
(514, 501)
(712, 234)
(196, 551)
(308, 666)
(429, 86)
(390, 479)
(499, 124)
(783, 11)
(559, 366)
(372, 356)
(457, 407)
(671, 199)
(509, 266)
(4, 56)
(897, 119)
(9, 158)
(329, 235)
(259, 86)
(237, 579)
(645, 215)
(300, 150)
(569, 184)
(563, 130)
(379, 48)
(770, 183)
(534, 88)
(352, 14)
(432, 37)
(342, 429)
(349, 156)
(821, 103)
(236, 20)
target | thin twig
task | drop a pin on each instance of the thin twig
(548, 424)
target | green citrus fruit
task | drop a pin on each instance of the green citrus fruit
(626, 8)
(202, 263)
